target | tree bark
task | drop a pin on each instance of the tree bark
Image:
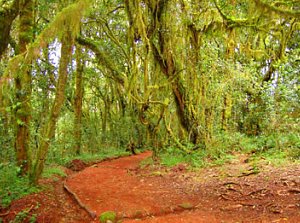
(78, 100)
(23, 90)
(7, 17)
(48, 131)
(187, 117)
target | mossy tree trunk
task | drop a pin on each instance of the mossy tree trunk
(48, 130)
(23, 90)
(7, 16)
(78, 99)
(166, 58)
(107, 97)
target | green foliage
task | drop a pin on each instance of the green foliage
(24, 216)
(274, 148)
(11, 186)
(172, 156)
(273, 156)
(21, 217)
(33, 218)
(7, 153)
(108, 216)
(196, 159)
(89, 157)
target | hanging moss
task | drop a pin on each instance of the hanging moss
(68, 19)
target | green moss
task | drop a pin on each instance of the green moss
(108, 216)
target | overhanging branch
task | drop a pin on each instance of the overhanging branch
(284, 12)
(102, 58)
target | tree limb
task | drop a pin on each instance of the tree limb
(294, 13)
(102, 59)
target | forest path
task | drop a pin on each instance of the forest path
(119, 186)
(237, 192)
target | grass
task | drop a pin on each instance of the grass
(168, 159)
(88, 157)
(197, 159)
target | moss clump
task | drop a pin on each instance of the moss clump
(108, 216)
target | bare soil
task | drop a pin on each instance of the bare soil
(236, 192)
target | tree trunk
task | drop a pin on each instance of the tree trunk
(226, 111)
(78, 100)
(23, 90)
(7, 16)
(185, 111)
(48, 131)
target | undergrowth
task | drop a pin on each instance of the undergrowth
(274, 148)
(88, 157)
(53, 170)
(12, 186)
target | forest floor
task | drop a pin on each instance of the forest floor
(235, 192)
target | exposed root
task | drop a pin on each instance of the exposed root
(294, 191)
(245, 174)
(231, 183)
(90, 212)
(225, 197)
(262, 191)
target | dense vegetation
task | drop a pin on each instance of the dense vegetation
(193, 79)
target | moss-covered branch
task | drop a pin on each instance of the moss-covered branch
(102, 58)
(231, 21)
(283, 12)
(68, 19)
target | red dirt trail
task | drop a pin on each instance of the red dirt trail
(113, 186)
(238, 191)
(164, 196)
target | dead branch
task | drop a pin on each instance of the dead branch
(4, 214)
